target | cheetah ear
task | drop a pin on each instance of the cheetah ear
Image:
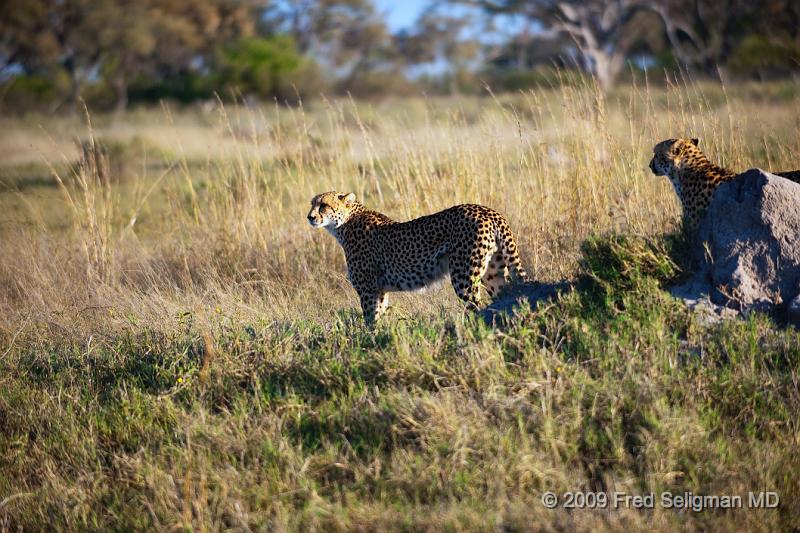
(695, 141)
(348, 198)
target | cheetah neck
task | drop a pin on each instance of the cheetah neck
(701, 169)
(358, 219)
(337, 234)
(367, 217)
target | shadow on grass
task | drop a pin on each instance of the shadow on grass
(517, 296)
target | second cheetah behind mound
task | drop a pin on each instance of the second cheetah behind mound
(693, 176)
(472, 243)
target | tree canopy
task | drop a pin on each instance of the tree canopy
(53, 52)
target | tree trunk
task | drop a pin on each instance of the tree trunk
(72, 101)
(607, 66)
(452, 81)
(522, 49)
(75, 93)
(355, 71)
(120, 85)
(599, 30)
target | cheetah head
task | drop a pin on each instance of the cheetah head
(331, 209)
(672, 154)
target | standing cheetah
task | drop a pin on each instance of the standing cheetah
(472, 243)
(693, 176)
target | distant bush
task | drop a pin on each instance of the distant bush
(29, 92)
(379, 83)
(520, 80)
(258, 66)
(187, 87)
(761, 57)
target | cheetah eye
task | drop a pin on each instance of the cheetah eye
(323, 207)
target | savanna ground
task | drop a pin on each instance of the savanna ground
(179, 350)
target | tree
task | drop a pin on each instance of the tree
(439, 36)
(23, 39)
(258, 65)
(707, 33)
(117, 39)
(149, 36)
(347, 36)
(49, 37)
(605, 31)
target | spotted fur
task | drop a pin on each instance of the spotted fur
(693, 176)
(471, 243)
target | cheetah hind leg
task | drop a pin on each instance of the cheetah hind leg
(466, 285)
(496, 275)
(507, 244)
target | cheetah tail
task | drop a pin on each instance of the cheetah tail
(792, 175)
(508, 246)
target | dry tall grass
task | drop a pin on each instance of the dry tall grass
(194, 221)
(211, 211)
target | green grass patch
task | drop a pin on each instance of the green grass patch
(424, 423)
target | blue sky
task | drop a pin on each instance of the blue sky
(403, 13)
(400, 13)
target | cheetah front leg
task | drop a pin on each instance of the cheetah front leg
(373, 304)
